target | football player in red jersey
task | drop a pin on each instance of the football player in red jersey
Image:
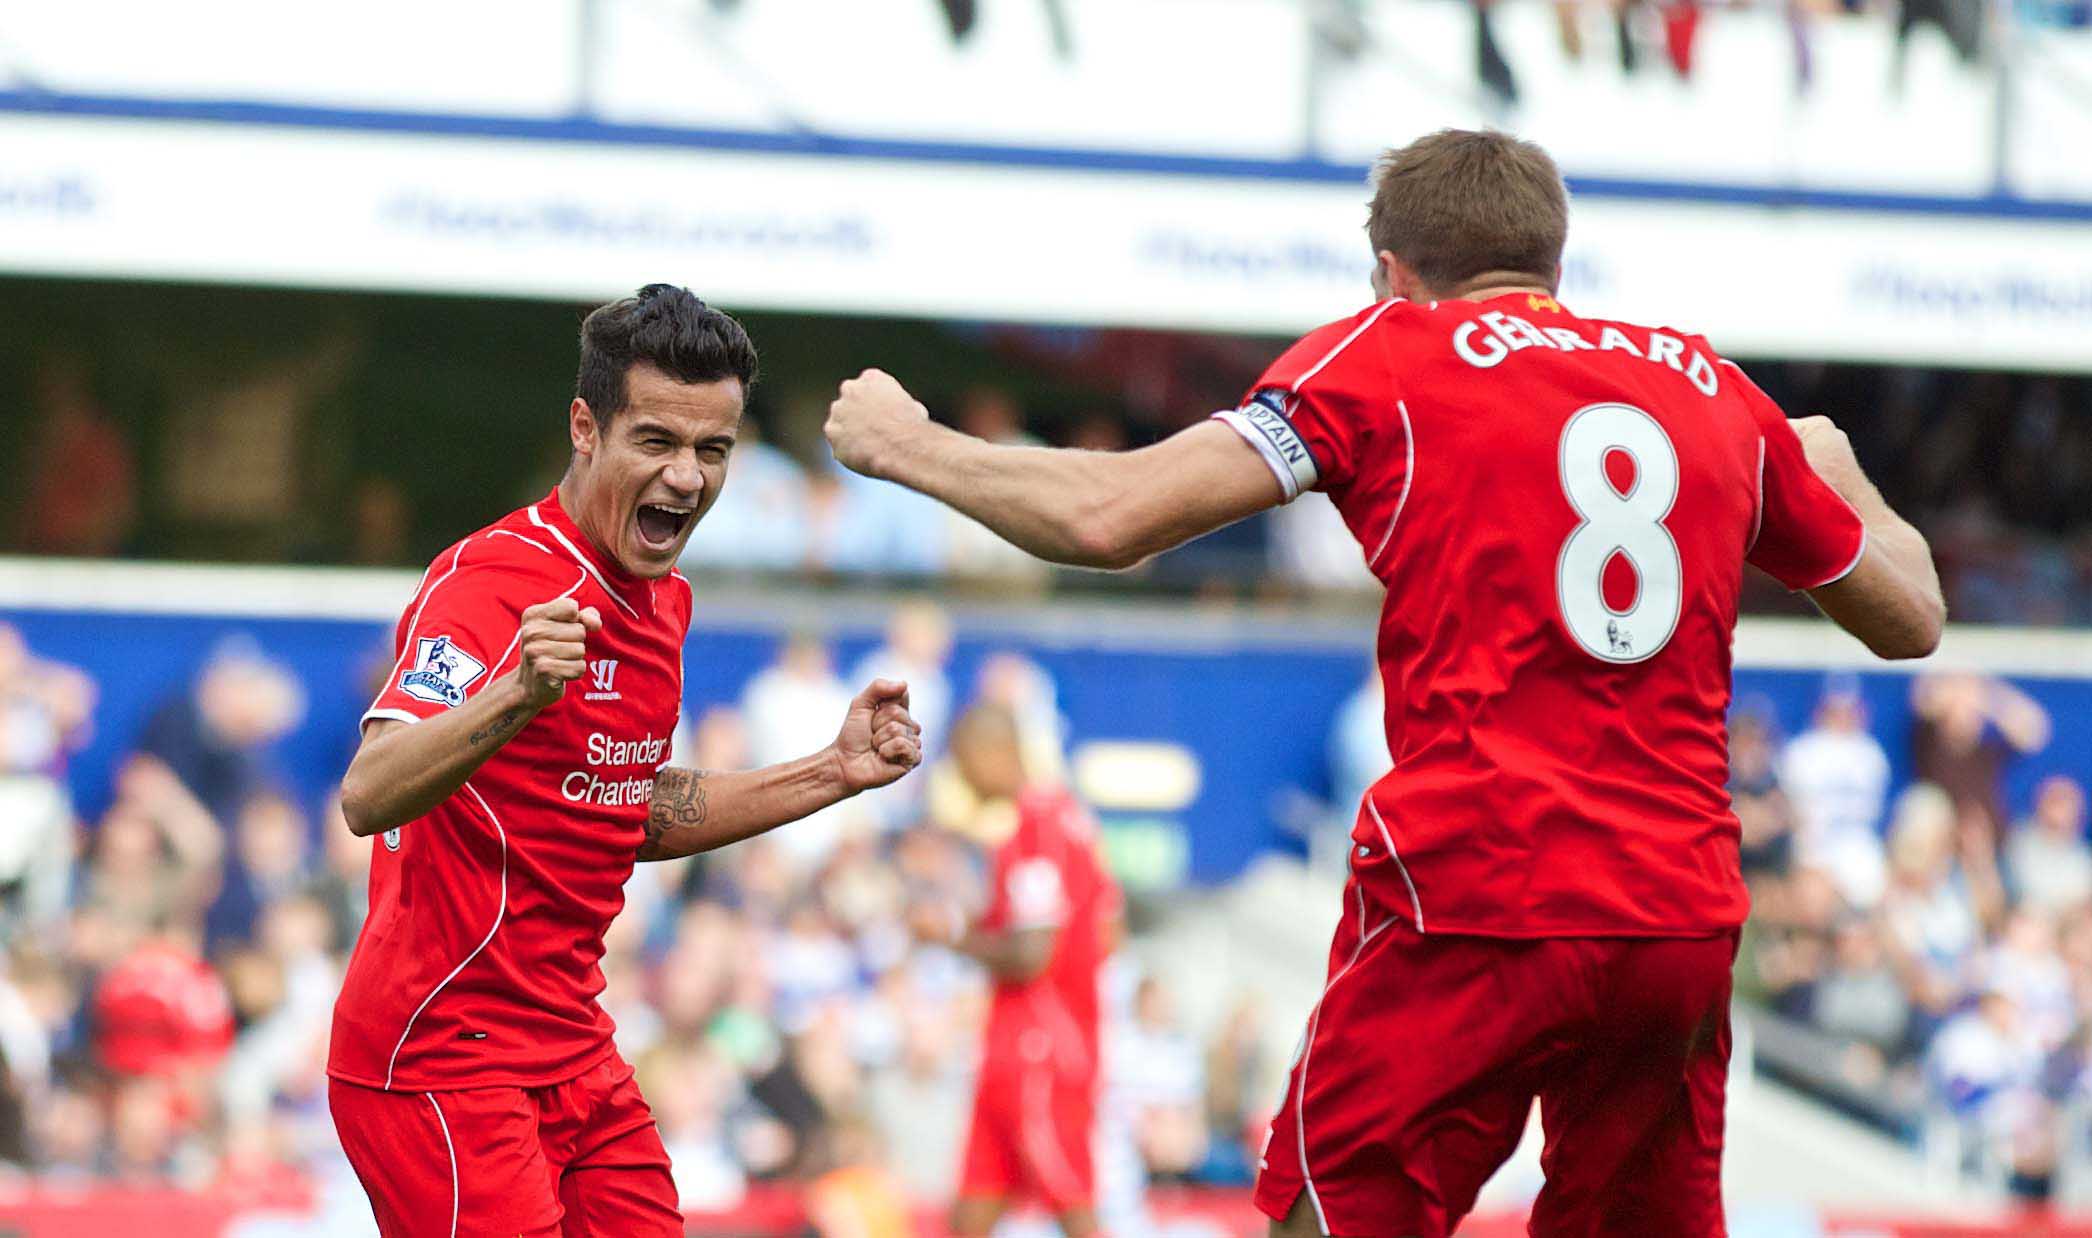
(1544, 896)
(1049, 927)
(513, 771)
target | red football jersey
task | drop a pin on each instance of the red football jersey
(477, 965)
(1048, 874)
(1560, 509)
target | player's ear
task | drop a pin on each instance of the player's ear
(1384, 267)
(581, 427)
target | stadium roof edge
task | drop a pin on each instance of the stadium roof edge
(375, 595)
(588, 129)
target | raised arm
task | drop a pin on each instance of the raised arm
(401, 770)
(1891, 600)
(695, 810)
(1086, 508)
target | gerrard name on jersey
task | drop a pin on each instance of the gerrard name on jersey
(1487, 339)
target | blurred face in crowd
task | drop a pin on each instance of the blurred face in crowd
(1841, 711)
(271, 837)
(247, 701)
(985, 747)
(2060, 806)
(644, 476)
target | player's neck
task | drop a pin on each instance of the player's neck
(1492, 284)
(572, 502)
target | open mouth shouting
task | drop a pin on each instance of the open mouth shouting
(660, 525)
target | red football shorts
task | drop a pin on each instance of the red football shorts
(575, 1158)
(1424, 1056)
(1030, 1139)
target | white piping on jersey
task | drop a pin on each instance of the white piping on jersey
(388, 715)
(500, 910)
(519, 537)
(1408, 475)
(1047, 1154)
(1849, 568)
(1344, 343)
(582, 559)
(1758, 500)
(1307, 1052)
(495, 668)
(1416, 904)
(451, 1149)
(415, 622)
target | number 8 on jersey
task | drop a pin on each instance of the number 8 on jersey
(1626, 521)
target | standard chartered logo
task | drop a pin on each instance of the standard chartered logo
(586, 786)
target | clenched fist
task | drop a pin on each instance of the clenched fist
(552, 648)
(871, 412)
(879, 740)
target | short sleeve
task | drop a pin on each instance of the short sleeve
(1309, 415)
(455, 637)
(1806, 534)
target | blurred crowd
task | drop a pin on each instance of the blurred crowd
(1665, 36)
(170, 965)
(1934, 946)
(1996, 468)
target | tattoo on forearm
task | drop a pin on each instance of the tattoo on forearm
(681, 802)
(498, 726)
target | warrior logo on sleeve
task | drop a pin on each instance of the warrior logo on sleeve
(441, 672)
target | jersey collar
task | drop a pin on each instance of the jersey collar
(632, 593)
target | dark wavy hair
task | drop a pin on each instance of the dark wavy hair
(667, 327)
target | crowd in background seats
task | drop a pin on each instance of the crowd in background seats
(170, 967)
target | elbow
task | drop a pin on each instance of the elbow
(1918, 636)
(1101, 535)
(356, 807)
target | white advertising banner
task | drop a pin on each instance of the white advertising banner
(939, 237)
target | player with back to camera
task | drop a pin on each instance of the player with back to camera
(1544, 896)
(1050, 924)
(513, 769)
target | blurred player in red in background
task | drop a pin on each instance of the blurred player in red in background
(1051, 922)
(513, 767)
(1545, 891)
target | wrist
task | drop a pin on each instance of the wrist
(832, 774)
(895, 458)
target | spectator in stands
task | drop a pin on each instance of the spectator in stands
(2024, 965)
(267, 864)
(1969, 728)
(781, 705)
(2048, 864)
(860, 527)
(343, 883)
(1933, 919)
(155, 863)
(45, 712)
(163, 1023)
(1836, 776)
(1861, 1001)
(1981, 1073)
(691, 1087)
(1755, 796)
(759, 522)
(1159, 1075)
(917, 649)
(923, 1101)
(381, 523)
(215, 736)
(1312, 549)
(81, 494)
(1236, 1104)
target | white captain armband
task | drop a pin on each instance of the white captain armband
(1264, 425)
